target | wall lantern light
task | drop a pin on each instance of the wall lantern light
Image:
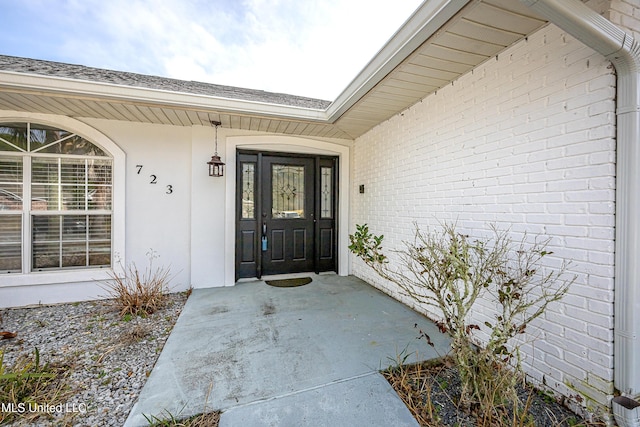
(216, 166)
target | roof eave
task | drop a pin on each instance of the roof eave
(424, 22)
(61, 86)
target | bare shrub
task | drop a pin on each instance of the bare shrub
(450, 272)
(136, 293)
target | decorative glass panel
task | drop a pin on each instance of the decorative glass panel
(248, 190)
(287, 191)
(10, 243)
(13, 137)
(326, 192)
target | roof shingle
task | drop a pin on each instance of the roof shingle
(81, 72)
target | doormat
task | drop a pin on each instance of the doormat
(289, 283)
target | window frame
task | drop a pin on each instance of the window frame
(118, 167)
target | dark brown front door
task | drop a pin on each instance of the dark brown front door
(285, 214)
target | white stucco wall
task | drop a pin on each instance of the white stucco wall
(168, 205)
(527, 142)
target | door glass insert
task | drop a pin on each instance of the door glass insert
(326, 192)
(248, 191)
(287, 189)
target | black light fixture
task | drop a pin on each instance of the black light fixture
(216, 166)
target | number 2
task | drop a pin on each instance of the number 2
(153, 179)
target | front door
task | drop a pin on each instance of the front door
(285, 214)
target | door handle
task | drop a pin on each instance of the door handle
(264, 237)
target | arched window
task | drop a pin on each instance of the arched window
(55, 200)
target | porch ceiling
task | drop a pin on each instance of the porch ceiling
(441, 41)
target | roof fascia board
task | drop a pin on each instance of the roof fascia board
(61, 86)
(424, 22)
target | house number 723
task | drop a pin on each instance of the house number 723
(154, 180)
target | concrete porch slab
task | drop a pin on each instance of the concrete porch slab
(257, 352)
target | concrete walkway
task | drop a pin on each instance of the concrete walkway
(304, 356)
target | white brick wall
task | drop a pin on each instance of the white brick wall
(626, 13)
(526, 141)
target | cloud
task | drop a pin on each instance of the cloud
(311, 48)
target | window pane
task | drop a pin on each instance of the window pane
(99, 198)
(45, 197)
(74, 145)
(72, 171)
(46, 234)
(99, 253)
(45, 171)
(10, 243)
(326, 192)
(100, 227)
(74, 197)
(248, 190)
(42, 135)
(46, 255)
(10, 197)
(99, 240)
(13, 137)
(10, 183)
(74, 227)
(61, 241)
(10, 169)
(287, 191)
(98, 171)
(71, 184)
(45, 228)
(74, 254)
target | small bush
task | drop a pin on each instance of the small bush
(448, 271)
(139, 294)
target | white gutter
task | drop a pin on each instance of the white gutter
(624, 52)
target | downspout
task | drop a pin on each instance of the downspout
(623, 51)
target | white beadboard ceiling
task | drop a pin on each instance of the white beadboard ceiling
(441, 41)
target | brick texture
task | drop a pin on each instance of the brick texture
(527, 142)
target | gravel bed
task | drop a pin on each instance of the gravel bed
(103, 358)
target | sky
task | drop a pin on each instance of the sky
(312, 48)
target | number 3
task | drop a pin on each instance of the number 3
(169, 189)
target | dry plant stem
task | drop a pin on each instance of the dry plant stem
(139, 294)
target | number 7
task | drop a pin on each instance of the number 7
(139, 168)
